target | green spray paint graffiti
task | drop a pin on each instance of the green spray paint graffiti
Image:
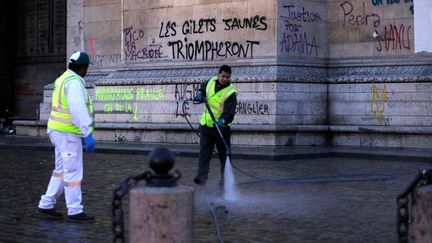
(125, 100)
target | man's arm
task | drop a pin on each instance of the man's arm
(76, 99)
(203, 87)
(200, 96)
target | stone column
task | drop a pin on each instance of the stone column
(420, 229)
(161, 214)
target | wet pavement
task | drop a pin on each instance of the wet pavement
(315, 194)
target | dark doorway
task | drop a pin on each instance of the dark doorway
(40, 52)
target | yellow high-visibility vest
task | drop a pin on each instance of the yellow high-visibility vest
(60, 118)
(216, 101)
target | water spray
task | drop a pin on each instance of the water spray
(229, 191)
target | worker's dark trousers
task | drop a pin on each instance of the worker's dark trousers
(209, 136)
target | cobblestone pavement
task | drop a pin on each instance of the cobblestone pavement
(356, 211)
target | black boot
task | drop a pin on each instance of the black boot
(199, 181)
(51, 212)
(81, 217)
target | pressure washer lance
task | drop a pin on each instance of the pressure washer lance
(229, 192)
(228, 149)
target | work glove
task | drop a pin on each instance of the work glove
(221, 122)
(88, 143)
(199, 98)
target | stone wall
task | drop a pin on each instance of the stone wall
(312, 72)
(151, 69)
(379, 89)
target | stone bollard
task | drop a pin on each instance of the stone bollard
(420, 230)
(162, 211)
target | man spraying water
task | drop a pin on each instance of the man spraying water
(220, 98)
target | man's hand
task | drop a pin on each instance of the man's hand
(199, 98)
(221, 122)
(89, 143)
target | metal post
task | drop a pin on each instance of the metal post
(421, 215)
(162, 211)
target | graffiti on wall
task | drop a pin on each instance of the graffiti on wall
(387, 38)
(211, 50)
(133, 50)
(125, 100)
(183, 41)
(252, 108)
(91, 45)
(101, 59)
(187, 48)
(26, 89)
(105, 59)
(352, 17)
(295, 39)
(393, 37)
(379, 97)
(183, 95)
(395, 2)
(77, 33)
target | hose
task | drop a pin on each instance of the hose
(299, 180)
(209, 204)
(214, 218)
(322, 179)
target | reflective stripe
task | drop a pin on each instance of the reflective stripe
(216, 101)
(228, 91)
(61, 110)
(59, 119)
(57, 174)
(64, 120)
(61, 89)
(73, 183)
(214, 108)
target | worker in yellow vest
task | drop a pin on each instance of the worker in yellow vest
(70, 128)
(221, 97)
